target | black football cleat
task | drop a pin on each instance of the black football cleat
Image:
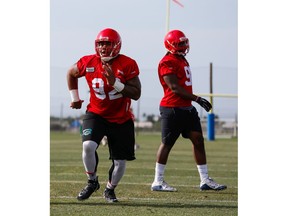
(109, 195)
(85, 193)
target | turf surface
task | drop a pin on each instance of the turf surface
(67, 178)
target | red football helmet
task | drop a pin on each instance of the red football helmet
(107, 44)
(176, 42)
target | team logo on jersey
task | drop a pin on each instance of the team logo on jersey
(87, 132)
(89, 69)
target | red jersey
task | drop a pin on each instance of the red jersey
(178, 65)
(104, 99)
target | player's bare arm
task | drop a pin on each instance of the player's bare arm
(132, 88)
(72, 77)
(72, 81)
(172, 82)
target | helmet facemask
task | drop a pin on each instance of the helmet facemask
(180, 47)
(107, 44)
(176, 42)
(107, 50)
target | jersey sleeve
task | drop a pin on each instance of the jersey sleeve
(133, 70)
(82, 63)
(167, 67)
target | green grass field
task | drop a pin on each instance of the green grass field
(67, 178)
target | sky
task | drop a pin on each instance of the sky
(27, 50)
(211, 28)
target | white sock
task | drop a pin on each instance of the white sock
(159, 172)
(203, 171)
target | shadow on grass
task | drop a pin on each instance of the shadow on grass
(152, 205)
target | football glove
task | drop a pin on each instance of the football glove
(204, 103)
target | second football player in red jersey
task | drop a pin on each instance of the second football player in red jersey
(178, 115)
(113, 80)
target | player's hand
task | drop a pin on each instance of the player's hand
(77, 104)
(109, 74)
(204, 103)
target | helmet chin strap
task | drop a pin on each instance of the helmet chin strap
(181, 53)
(177, 53)
(108, 58)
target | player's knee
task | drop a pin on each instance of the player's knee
(198, 140)
(120, 165)
(89, 146)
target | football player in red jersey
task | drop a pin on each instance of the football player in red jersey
(178, 115)
(113, 80)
